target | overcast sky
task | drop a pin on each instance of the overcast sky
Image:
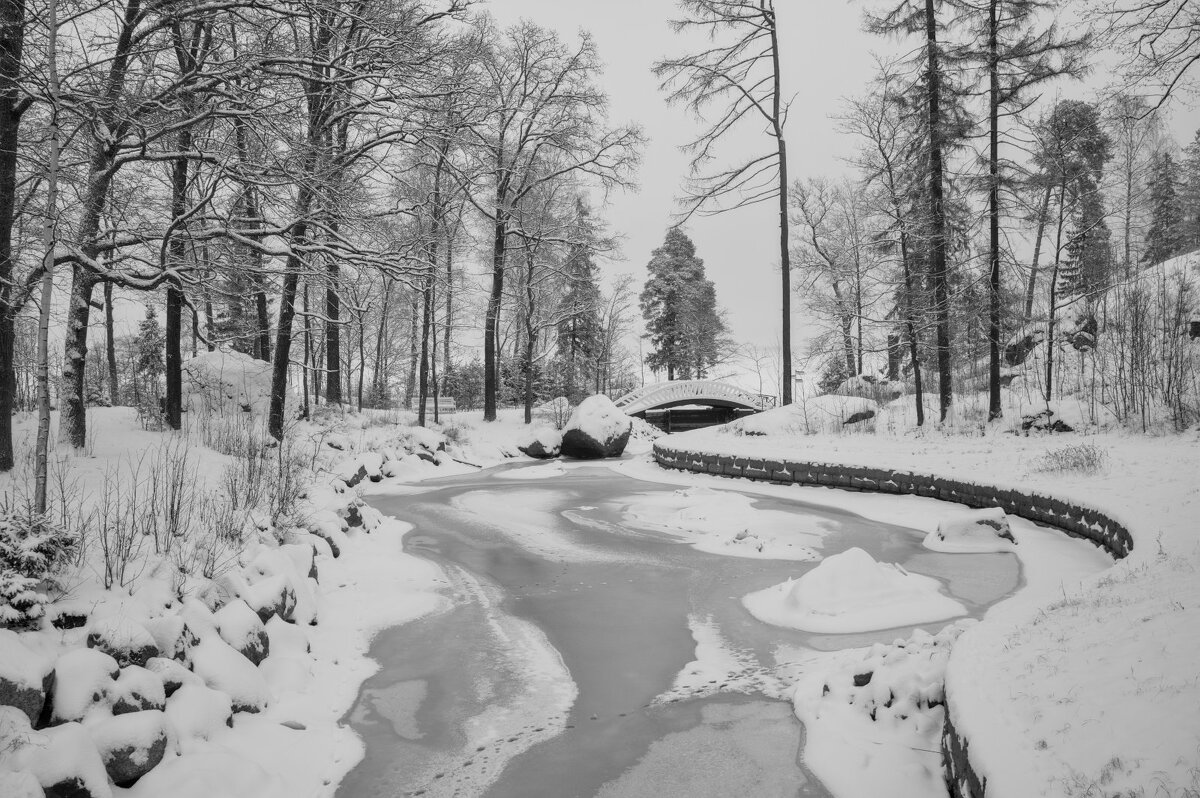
(826, 57)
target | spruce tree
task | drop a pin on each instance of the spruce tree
(1189, 197)
(1164, 240)
(679, 304)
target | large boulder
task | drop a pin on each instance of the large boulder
(137, 689)
(243, 630)
(23, 676)
(65, 761)
(123, 639)
(131, 745)
(226, 670)
(596, 429)
(83, 679)
(545, 445)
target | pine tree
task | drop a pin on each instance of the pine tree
(579, 330)
(1164, 240)
(679, 304)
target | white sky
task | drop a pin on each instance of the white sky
(825, 57)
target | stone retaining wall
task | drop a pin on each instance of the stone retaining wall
(1074, 519)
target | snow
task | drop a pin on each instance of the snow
(238, 625)
(83, 679)
(226, 670)
(196, 712)
(1076, 683)
(598, 418)
(20, 784)
(208, 771)
(18, 665)
(727, 522)
(120, 636)
(137, 687)
(227, 382)
(977, 531)
(65, 752)
(878, 737)
(809, 416)
(136, 730)
(851, 592)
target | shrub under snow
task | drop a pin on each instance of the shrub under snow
(32, 550)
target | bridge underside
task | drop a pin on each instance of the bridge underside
(685, 415)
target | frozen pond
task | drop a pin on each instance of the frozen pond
(594, 650)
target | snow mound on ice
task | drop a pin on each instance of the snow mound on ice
(851, 592)
(977, 531)
(227, 382)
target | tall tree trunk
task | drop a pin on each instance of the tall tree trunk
(414, 349)
(937, 214)
(12, 39)
(307, 352)
(378, 378)
(110, 346)
(426, 321)
(491, 325)
(1050, 321)
(530, 333)
(1043, 214)
(72, 426)
(785, 264)
(333, 336)
(448, 322)
(176, 255)
(994, 409)
(49, 236)
(287, 311)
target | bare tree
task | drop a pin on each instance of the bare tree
(741, 77)
(544, 107)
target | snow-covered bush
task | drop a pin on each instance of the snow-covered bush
(1082, 458)
(32, 550)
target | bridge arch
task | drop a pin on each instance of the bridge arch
(710, 393)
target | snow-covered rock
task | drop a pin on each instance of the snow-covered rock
(131, 745)
(271, 595)
(808, 416)
(172, 674)
(208, 772)
(596, 429)
(65, 762)
(243, 630)
(137, 689)
(975, 531)
(123, 639)
(226, 382)
(226, 670)
(23, 676)
(287, 639)
(83, 679)
(851, 592)
(171, 635)
(544, 444)
(196, 712)
(20, 784)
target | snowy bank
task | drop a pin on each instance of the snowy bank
(1079, 685)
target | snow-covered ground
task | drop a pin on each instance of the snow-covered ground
(1085, 682)
(1081, 682)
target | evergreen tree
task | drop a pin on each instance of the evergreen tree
(579, 330)
(149, 356)
(1088, 255)
(1164, 240)
(680, 307)
(1189, 197)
